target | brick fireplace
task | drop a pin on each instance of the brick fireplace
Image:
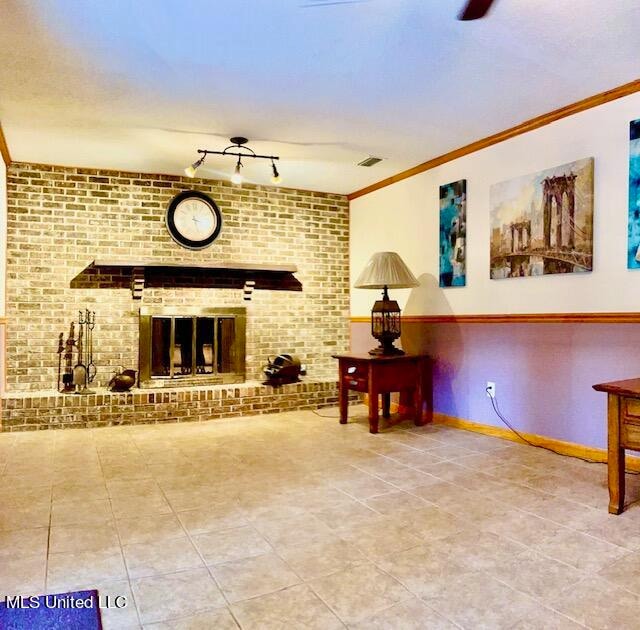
(61, 220)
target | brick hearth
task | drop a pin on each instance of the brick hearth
(50, 410)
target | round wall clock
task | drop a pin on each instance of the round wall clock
(193, 219)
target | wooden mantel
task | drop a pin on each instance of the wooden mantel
(248, 271)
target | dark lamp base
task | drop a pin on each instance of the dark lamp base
(386, 350)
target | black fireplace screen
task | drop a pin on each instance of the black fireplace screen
(208, 346)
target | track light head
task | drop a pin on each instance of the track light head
(190, 171)
(276, 179)
(236, 178)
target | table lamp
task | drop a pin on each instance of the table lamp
(385, 270)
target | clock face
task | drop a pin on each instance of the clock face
(193, 219)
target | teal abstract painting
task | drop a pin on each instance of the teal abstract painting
(453, 228)
(633, 249)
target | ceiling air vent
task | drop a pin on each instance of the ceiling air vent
(370, 161)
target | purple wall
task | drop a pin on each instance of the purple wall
(543, 372)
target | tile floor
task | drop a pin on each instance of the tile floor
(293, 521)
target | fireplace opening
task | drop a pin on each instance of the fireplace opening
(193, 347)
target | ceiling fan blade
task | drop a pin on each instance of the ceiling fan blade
(475, 9)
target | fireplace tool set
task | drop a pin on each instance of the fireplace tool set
(77, 376)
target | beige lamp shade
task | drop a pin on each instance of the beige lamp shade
(386, 269)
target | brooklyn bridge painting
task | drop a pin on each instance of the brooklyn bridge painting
(543, 223)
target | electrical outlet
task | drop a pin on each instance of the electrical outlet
(491, 389)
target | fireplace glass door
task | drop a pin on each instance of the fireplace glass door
(209, 346)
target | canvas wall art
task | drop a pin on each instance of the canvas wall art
(633, 239)
(453, 227)
(543, 223)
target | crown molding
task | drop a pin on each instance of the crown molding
(501, 136)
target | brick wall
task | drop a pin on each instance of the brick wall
(61, 219)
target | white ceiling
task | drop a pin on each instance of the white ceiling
(141, 84)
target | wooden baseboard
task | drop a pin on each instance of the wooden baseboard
(560, 446)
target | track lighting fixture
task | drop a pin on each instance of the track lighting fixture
(242, 151)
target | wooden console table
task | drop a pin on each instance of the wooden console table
(409, 374)
(623, 413)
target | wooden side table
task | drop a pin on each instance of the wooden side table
(409, 374)
(623, 421)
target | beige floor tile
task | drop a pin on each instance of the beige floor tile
(80, 513)
(432, 523)
(270, 508)
(136, 506)
(546, 619)
(479, 601)
(561, 511)
(22, 575)
(125, 469)
(536, 575)
(18, 517)
(358, 592)
(425, 570)
(381, 467)
(451, 452)
(442, 494)
(318, 499)
(220, 619)
(252, 577)
(394, 502)
(289, 531)
(414, 440)
(624, 572)
(23, 542)
(311, 560)
(294, 607)
(92, 490)
(352, 512)
(362, 485)
(409, 478)
(212, 519)
(194, 498)
(380, 538)
(68, 570)
(480, 550)
(596, 603)
(25, 496)
(475, 508)
(410, 615)
(112, 595)
(581, 551)
(231, 544)
(618, 530)
(176, 595)
(161, 556)
(83, 538)
(149, 529)
(416, 459)
(523, 527)
(133, 487)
